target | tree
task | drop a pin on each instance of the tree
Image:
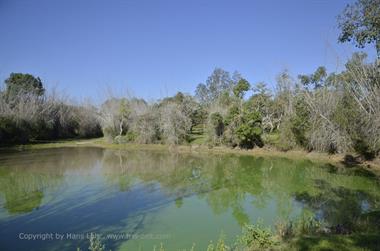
(145, 124)
(111, 117)
(317, 79)
(249, 132)
(241, 87)
(285, 92)
(19, 83)
(201, 93)
(262, 102)
(299, 122)
(217, 83)
(26, 116)
(362, 85)
(124, 113)
(188, 106)
(217, 126)
(174, 124)
(360, 22)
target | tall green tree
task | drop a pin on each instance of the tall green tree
(241, 88)
(316, 80)
(360, 22)
(20, 83)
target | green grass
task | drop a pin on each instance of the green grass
(197, 136)
(271, 138)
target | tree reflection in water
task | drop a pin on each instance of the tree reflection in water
(91, 189)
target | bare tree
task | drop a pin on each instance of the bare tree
(174, 124)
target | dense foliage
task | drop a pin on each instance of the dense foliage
(336, 112)
(360, 22)
(28, 113)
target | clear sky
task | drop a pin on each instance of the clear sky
(156, 48)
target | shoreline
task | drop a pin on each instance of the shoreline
(296, 154)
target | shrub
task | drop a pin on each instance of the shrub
(249, 132)
(285, 229)
(96, 244)
(174, 125)
(257, 237)
(12, 132)
(216, 128)
(220, 245)
(308, 225)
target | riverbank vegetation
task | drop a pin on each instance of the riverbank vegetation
(299, 235)
(333, 112)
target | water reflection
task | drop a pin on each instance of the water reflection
(192, 197)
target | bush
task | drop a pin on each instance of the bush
(27, 113)
(216, 120)
(12, 132)
(174, 125)
(257, 237)
(308, 225)
(220, 245)
(127, 138)
(285, 230)
(250, 131)
(216, 128)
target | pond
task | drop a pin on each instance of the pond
(53, 199)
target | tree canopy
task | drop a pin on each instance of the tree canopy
(19, 83)
(360, 22)
(219, 82)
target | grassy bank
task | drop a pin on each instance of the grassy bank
(339, 160)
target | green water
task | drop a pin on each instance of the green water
(139, 199)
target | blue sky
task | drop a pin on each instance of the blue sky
(155, 48)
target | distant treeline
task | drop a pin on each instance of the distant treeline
(334, 112)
